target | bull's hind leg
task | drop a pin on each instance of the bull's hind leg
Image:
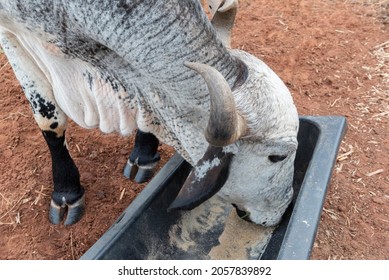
(68, 194)
(144, 157)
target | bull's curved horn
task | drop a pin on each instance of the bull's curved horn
(225, 125)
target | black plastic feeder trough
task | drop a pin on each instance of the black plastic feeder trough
(213, 231)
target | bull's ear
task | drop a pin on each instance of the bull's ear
(205, 179)
(223, 20)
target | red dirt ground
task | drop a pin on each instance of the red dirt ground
(333, 56)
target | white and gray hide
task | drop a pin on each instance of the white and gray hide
(164, 68)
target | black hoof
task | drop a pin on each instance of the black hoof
(138, 173)
(130, 170)
(144, 174)
(56, 213)
(74, 211)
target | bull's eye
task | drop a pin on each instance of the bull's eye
(274, 158)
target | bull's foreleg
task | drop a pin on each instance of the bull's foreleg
(144, 157)
(68, 194)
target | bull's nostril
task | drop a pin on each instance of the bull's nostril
(244, 215)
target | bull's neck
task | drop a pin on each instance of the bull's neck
(157, 37)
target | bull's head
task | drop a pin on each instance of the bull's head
(252, 136)
(246, 168)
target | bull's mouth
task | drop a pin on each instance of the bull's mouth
(244, 215)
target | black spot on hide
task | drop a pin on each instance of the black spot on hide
(88, 76)
(44, 107)
(54, 125)
(113, 83)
